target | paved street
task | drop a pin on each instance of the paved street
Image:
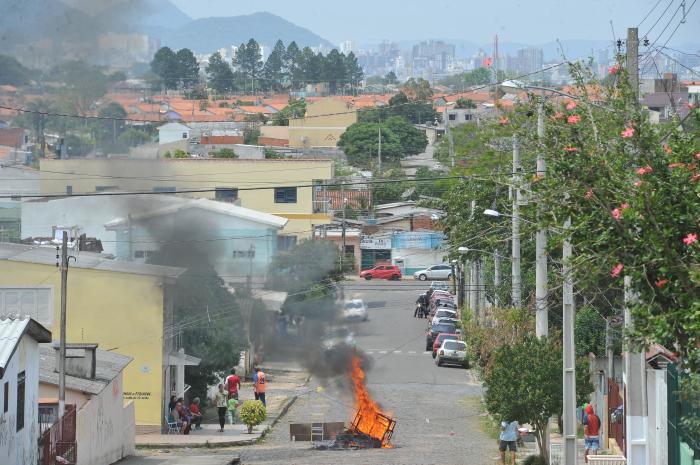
(436, 409)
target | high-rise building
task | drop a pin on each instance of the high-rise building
(530, 60)
(347, 47)
(433, 53)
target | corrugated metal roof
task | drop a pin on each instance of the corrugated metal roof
(209, 205)
(12, 328)
(89, 260)
(109, 365)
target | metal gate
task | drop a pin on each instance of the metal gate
(616, 417)
(681, 445)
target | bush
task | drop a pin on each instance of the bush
(224, 153)
(168, 154)
(180, 154)
(252, 414)
(534, 460)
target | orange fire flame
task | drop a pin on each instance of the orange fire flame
(370, 422)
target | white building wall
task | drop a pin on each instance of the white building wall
(106, 428)
(657, 409)
(415, 259)
(173, 132)
(20, 447)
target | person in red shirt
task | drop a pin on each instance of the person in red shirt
(233, 383)
(196, 413)
(591, 432)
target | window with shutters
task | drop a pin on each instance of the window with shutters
(285, 195)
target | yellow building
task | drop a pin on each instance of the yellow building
(124, 307)
(268, 186)
(325, 121)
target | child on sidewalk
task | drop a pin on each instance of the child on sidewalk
(232, 406)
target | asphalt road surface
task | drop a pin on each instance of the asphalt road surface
(436, 408)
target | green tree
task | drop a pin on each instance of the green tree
(532, 394)
(219, 74)
(312, 66)
(400, 104)
(250, 135)
(294, 65)
(413, 141)
(249, 62)
(295, 109)
(360, 142)
(83, 84)
(353, 71)
(418, 90)
(13, 72)
(477, 77)
(187, 68)
(464, 103)
(589, 332)
(164, 65)
(273, 69)
(391, 78)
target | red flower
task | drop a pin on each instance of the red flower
(668, 149)
(624, 206)
(571, 105)
(573, 119)
(613, 69)
(637, 183)
(572, 149)
(503, 121)
(690, 239)
(627, 133)
(558, 115)
(617, 213)
(676, 165)
(589, 193)
(695, 177)
(644, 170)
(661, 283)
(617, 269)
(692, 166)
(697, 156)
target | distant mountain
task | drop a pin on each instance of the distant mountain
(209, 34)
(25, 21)
(142, 16)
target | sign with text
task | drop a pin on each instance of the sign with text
(374, 243)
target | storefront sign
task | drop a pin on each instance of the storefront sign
(375, 243)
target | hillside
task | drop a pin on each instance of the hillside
(207, 34)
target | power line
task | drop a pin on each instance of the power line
(650, 12)
(145, 120)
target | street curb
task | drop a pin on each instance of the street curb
(287, 404)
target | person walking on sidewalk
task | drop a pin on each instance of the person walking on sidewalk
(259, 381)
(591, 432)
(220, 401)
(233, 384)
(232, 406)
(508, 440)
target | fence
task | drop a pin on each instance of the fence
(616, 418)
(682, 447)
(59, 440)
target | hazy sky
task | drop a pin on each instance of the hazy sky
(533, 21)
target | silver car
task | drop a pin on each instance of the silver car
(453, 352)
(355, 309)
(434, 272)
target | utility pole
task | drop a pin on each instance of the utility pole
(342, 252)
(379, 151)
(635, 391)
(516, 297)
(482, 286)
(633, 61)
(569, 355)
(541, 311)
(62, 341)
(496, 277)
(450, 140)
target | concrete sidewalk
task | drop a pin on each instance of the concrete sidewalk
(282, 391)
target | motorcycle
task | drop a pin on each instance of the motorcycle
(421, 311)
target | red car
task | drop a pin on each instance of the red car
(441, 338)
(392, 272)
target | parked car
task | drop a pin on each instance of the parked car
(448, 320)
(439, 286)
(452, 352)
(442, 337)
(434, 272)
(433, 332)
(392, 272)
(355, 309)
(337, 336)
(443, 313)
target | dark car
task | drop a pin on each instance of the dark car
(435, 330)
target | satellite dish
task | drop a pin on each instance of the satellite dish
(409, 192)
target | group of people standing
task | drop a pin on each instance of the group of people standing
(226, 398)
